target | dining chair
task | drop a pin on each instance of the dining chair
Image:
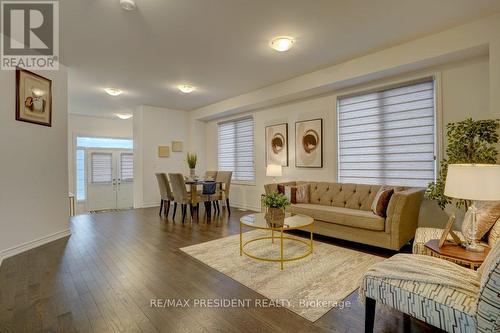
(165, 193)
(225, 178)
(209, 196)
(181, 195)
(210, 175)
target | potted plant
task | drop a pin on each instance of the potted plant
(275, 203)
(469, 141)
(191, 161)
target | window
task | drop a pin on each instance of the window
(236, 149)
(102, 168)
(85, 142)
(80, 175)
(127, 167)
(388, 136)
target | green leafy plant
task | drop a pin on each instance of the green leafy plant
(191, 160)
(469, 141)
(276, 200)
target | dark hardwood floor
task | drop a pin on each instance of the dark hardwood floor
(103, 277)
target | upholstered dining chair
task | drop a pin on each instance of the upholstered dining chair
(210, 175)
(225, 178)
(165, 193)
(181, 195)
(438, 292)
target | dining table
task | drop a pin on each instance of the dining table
(194, 183)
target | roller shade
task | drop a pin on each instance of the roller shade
(236, 148)
(127, 167)
(102, 167)
(388, 136)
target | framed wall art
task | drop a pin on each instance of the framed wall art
(277, 144)
(309, 143)
(163, 151)
(177, 146)
(33, 98)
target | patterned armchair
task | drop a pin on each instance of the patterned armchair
(438, 292)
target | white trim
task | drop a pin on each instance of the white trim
(244, 206)
(33, 244)
(149, 205)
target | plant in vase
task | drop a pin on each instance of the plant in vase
(191, 161)
(275, 203)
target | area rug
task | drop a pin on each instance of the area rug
(310, 287)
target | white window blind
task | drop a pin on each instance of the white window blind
(236, 148)
(388, 136)
(127, 167)
(102, 167)
(80, 175)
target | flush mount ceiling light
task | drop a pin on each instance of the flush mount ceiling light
(124, 116)
(113, 91)
(282, 43)
(127, 4)
(186, 88)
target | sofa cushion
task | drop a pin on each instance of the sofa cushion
(354, 196)
(339, 215)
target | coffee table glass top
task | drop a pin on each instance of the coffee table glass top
(290, 222)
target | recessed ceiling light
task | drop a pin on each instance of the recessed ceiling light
(186, 88)
(124, 116)
(128, 4)
(282, 43)
(113, 91)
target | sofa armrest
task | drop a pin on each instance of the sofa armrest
(402, 216)
(273, 187)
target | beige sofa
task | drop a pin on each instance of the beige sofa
(344, 211)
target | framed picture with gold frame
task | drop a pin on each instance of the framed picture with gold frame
(33, 98)
(176, 146)
(448, 231)
(163, 151)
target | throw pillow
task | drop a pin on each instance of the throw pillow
(381, 201)
(494, 234)
(302, 193)
(295, 193)
(289, 191)
(487, 214)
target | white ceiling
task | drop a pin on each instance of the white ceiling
(221, 46)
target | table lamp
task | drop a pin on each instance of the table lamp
(473, 182)
(274, 170)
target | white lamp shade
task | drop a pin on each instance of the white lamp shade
(274, 170)
(473, 182)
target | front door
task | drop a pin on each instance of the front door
(110, 179)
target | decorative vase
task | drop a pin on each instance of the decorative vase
(192, 173)
(275, 214)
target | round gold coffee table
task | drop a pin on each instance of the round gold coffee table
(290, 222)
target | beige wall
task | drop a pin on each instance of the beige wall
(155, 127)
(463, 91)
(34, 204)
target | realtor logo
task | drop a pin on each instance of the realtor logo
(30, 35)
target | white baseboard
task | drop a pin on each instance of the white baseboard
(150, 204)
(32, 244)
(244, 206)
